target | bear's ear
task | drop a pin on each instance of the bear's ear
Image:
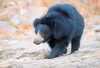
(36, 22)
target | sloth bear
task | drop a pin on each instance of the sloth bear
(61, 25)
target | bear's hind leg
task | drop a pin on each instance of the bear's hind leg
(75, 44)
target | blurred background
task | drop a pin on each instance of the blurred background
(17, 49)
(17, 16)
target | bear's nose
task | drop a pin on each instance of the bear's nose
(36, 42)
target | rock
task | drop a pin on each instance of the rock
(6, 28)
(97, 28)
(16, 19)
(24, 14)
(5, 64)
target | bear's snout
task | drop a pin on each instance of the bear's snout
(38, 39)
(37, 42)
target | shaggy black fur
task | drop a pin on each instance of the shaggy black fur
(61, 25)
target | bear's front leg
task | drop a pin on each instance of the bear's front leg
(59, 49)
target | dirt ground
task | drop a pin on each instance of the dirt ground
(23, 53)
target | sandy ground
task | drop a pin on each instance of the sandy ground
(22, 53)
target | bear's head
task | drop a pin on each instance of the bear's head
(43, 30)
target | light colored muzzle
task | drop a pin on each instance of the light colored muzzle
(38, 39)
